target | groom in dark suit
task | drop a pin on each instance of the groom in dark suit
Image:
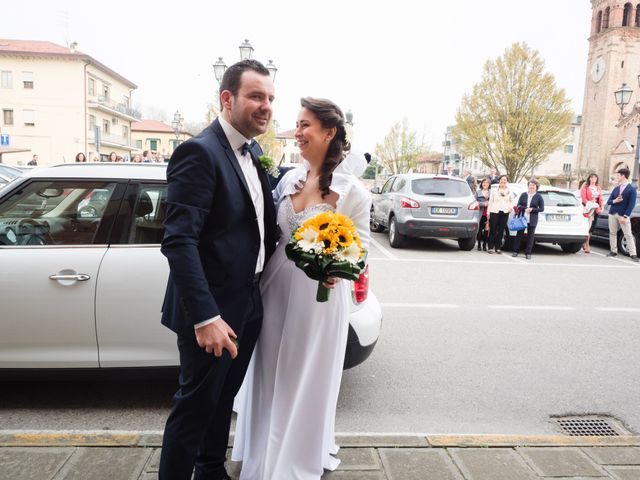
(220, 231)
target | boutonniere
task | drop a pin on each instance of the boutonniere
(269, 166)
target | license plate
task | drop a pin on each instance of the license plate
(444, 210)
(554, 217)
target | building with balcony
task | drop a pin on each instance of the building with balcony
(455, 161)
(561, 167)
(57, 101)
(157, 137)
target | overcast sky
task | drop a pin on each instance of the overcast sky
(383, 60)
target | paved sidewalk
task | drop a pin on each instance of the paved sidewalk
(135, 456)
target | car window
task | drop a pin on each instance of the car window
(387, 185)
(398, 185)
(440, 186)
(559, 199)
(9, 172)
(149, 214)
(55, 212)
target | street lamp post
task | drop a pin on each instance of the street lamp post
(246, 53)
(623, 97)
(177, 126)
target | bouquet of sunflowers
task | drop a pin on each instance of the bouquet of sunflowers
(327, 245)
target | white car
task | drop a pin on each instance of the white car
(8, 173)
(562, 222)
(83, 278)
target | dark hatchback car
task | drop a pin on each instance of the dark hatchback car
(601, 229)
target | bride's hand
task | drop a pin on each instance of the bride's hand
(331, 282)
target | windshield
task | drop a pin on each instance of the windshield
(440, 186)
(9, 172)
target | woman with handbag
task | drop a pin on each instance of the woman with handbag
(591, 195)
(482, 196)
(530, 204)
(500, 205)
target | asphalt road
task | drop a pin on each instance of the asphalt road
(471, 343)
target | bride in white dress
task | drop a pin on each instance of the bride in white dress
(286, 408)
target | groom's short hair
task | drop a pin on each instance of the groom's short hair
(231, 78)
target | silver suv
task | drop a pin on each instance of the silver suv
(425, 206)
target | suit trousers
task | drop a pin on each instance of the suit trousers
(531, 231)
(197, 430)
(614, 223)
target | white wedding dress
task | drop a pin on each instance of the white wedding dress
(287, 405)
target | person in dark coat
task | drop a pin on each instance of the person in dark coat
(220, 232)
(530, 204)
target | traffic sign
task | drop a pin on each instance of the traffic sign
(4, 139)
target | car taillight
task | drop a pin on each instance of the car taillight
(474, 205)
(408, 203)
(361, 286)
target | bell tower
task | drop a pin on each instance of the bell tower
(608, 139)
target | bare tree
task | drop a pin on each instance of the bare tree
(400, 149)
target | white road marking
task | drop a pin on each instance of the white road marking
(384, 251)
(617, 309)
(510, 307)
(619, 258)
(420, 305)
(529, 307)
(501, 262)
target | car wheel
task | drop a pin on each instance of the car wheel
(623, 246)
(395, 239)
(373, 225)
(466, 243)
(571, 247)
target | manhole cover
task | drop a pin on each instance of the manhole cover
(591, 426)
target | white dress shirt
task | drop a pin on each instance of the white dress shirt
(237, 140)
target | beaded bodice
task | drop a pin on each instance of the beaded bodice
(289, 220)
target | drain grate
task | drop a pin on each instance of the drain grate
(590, 427)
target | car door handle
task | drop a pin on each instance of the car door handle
(81, 277)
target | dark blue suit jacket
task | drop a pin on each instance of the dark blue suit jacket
(628, 202)
(537, 205)
(211, 232)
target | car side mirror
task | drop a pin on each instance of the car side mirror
(375, 190)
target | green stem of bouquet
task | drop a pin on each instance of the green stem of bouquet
(322, 295)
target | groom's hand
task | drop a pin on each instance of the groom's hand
(215, 337)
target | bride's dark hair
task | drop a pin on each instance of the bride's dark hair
(329, 115)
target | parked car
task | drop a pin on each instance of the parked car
(83, 278)
(562, 222)
(8, 173)
(601, 228)
(425, 206)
